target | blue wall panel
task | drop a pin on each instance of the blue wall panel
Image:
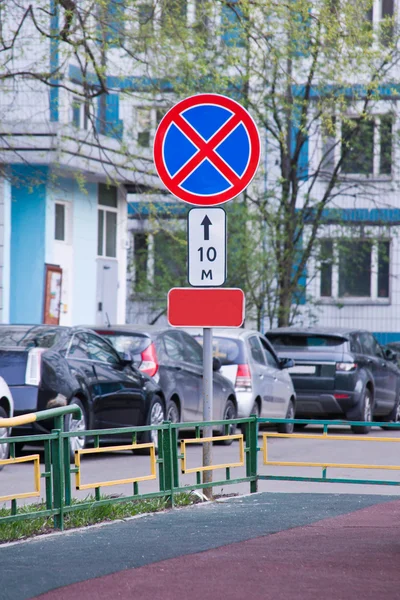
(385, 337)
(54, 60)
(28, 212)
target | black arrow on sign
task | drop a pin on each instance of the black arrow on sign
(206, 224)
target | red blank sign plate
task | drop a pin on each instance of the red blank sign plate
(211, 307)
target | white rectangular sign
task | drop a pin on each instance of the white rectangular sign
(207, 247)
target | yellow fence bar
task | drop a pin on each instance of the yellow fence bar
(35, 458)
(218, 438)
(88, 486)
(21, 420)
(324, 437)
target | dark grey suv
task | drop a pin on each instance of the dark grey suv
(340, 373)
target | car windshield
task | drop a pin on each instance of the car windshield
(28, 337)
(305, 341)
(229, 351)
(130, 344)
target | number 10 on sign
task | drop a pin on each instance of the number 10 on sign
(207, 247)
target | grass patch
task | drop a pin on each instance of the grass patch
(34, 526)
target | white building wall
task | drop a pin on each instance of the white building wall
(122, 254)
(61, 253)
(84, 224)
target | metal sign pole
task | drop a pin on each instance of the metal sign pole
(207, 405)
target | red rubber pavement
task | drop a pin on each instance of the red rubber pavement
(353, 556)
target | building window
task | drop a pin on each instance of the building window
(367, 146)
(107, 221)
(202, 22)
(111, 21)
(148, 120)
(159, 261)
(383, 269)
(140, 255)
(76, 113)
(355, 268)
(233, 33)
(145, 19)
(387, 22)
(326, 259)
(143, 127)
(173, 11)
(80, 113)
(169, 260)
(59, 222)
(329, 143)
(387, 8)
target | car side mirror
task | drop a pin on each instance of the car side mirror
(216, 364)
(286, 363)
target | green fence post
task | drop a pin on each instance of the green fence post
(58, 472)
(253, 451)
(67, 472)
(175, 459)
(168, 462)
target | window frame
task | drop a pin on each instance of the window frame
(104, 208)
(374, 297)
(155, 114)
(376, 150)
(82, 105)
(67, 222)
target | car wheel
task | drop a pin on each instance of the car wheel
(229, 413)
(365, 413)
(173, 412)
(4, 432)
(287, 427)
(74, 423)
(156, 417)
(394, 416)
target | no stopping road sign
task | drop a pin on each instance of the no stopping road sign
(207, 149)
(206, 247)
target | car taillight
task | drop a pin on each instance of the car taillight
(346, 366)
(243, 378)
(33, 366)
(149, 364)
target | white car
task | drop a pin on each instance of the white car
(262, 382)
(6, 410)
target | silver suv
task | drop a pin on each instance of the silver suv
(262, 382)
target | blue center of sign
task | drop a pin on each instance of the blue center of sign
(207, 178)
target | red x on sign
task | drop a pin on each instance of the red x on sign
(207, 149)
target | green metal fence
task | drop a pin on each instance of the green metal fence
(169, 466)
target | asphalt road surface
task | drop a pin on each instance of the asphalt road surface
(122, 465)
(262, 546)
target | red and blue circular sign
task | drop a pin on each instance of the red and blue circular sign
(207, 149)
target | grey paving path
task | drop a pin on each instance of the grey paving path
(46, 563)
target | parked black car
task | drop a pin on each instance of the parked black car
(47, 366)
(175, 359)
(340, 373)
